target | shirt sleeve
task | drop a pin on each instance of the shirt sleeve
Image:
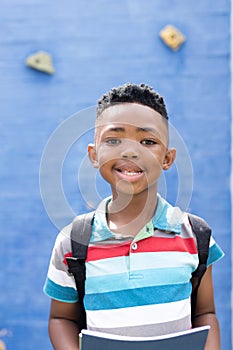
(60, 284)
(215, 252)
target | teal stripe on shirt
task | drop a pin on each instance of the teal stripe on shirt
(137, 297)
(58, 292)
(215, 254)
(140, 278)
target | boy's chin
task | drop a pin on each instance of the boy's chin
(127, 189)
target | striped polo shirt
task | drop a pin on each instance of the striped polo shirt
(135, 286)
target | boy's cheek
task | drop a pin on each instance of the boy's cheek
(106, 153)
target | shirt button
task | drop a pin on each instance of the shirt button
(134, 246)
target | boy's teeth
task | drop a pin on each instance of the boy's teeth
(131, 173)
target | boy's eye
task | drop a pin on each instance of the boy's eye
(113, 141)
(148, 142)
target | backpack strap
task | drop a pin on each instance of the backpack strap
(202, 232)
(80, 238)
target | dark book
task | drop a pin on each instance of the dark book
(193, 339)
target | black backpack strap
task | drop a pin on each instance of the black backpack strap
(202, 232)
(80, 238)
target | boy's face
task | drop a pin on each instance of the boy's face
(131, 147)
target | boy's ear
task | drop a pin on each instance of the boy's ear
(169, 158)
(92, 155)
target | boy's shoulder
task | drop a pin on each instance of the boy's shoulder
(62, 246)
(78, 231)
(167, 218)
(170, 219)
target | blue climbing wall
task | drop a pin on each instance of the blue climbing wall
(96, 45)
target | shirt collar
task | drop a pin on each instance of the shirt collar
(166, 218)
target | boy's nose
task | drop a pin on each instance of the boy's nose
(129, 152)
(130, 149)
(130, 155)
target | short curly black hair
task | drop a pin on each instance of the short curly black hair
(133, 93)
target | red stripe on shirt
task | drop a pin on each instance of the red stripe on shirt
(151, 244)
(99, 252)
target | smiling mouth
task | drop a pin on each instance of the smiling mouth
(130, 172)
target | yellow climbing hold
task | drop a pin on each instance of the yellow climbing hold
(172, 37)
(41, 61)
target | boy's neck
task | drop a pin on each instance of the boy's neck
(129, 214)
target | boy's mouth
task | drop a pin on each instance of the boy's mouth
(130, 172)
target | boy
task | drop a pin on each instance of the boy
(142, 250)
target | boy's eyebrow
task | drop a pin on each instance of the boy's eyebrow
(147, 130)
(116, 129)
(139, 129)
